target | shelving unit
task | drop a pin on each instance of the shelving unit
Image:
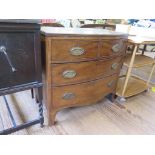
(130, 85)
(140, 61)
(139, 86)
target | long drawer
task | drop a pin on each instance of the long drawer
(85, 93)
(84, 71)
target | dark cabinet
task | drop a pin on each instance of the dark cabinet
(20, 63)
(17, 59)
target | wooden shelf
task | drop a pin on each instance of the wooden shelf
(140, 61)
(135, 86)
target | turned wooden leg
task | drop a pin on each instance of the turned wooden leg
(38, 94)
(39, 99)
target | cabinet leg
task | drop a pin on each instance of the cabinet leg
(38, 94)
(147, 90)
(52, 118)
(41, 114)
(111, 97)
(32, 93)
(39, 98)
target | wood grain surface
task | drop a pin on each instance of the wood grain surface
(85, 71)
(88, 59)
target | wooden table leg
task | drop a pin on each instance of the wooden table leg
(129, 69)
(153, 68)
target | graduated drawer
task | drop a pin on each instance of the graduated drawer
(85, 93)
(84, 71)
(112, 47)
(73, 50)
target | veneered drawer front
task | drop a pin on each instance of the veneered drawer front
(84, 71)
(85, 93)
(112, 47)
(73, 50)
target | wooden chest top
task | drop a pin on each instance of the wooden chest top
(53, 31)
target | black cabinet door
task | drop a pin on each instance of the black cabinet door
(17, 59)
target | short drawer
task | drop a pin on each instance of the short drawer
(73, 50)
(112, 47)
(84, 71)
(85, 93)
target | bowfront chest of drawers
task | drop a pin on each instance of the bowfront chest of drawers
(81, 66)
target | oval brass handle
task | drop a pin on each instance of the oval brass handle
(69, 74)
(68, 96)
(77, 51)
(111, 83)
(116, 48)
(114, 66)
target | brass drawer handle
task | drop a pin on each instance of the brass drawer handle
(77, 51)
(116, 48)
(68, 74)
(68, 96)
(111, 83)
(114, 66)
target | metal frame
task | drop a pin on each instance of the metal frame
(24, 125)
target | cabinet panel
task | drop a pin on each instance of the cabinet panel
(17, 59)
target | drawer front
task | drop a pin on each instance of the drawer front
(84, 93)
(85, 71)
(112, 47)
(17, 63)
(73, 50)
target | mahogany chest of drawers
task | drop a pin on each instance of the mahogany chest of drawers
(81, 66)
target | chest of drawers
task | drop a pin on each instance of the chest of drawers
(81, 66)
